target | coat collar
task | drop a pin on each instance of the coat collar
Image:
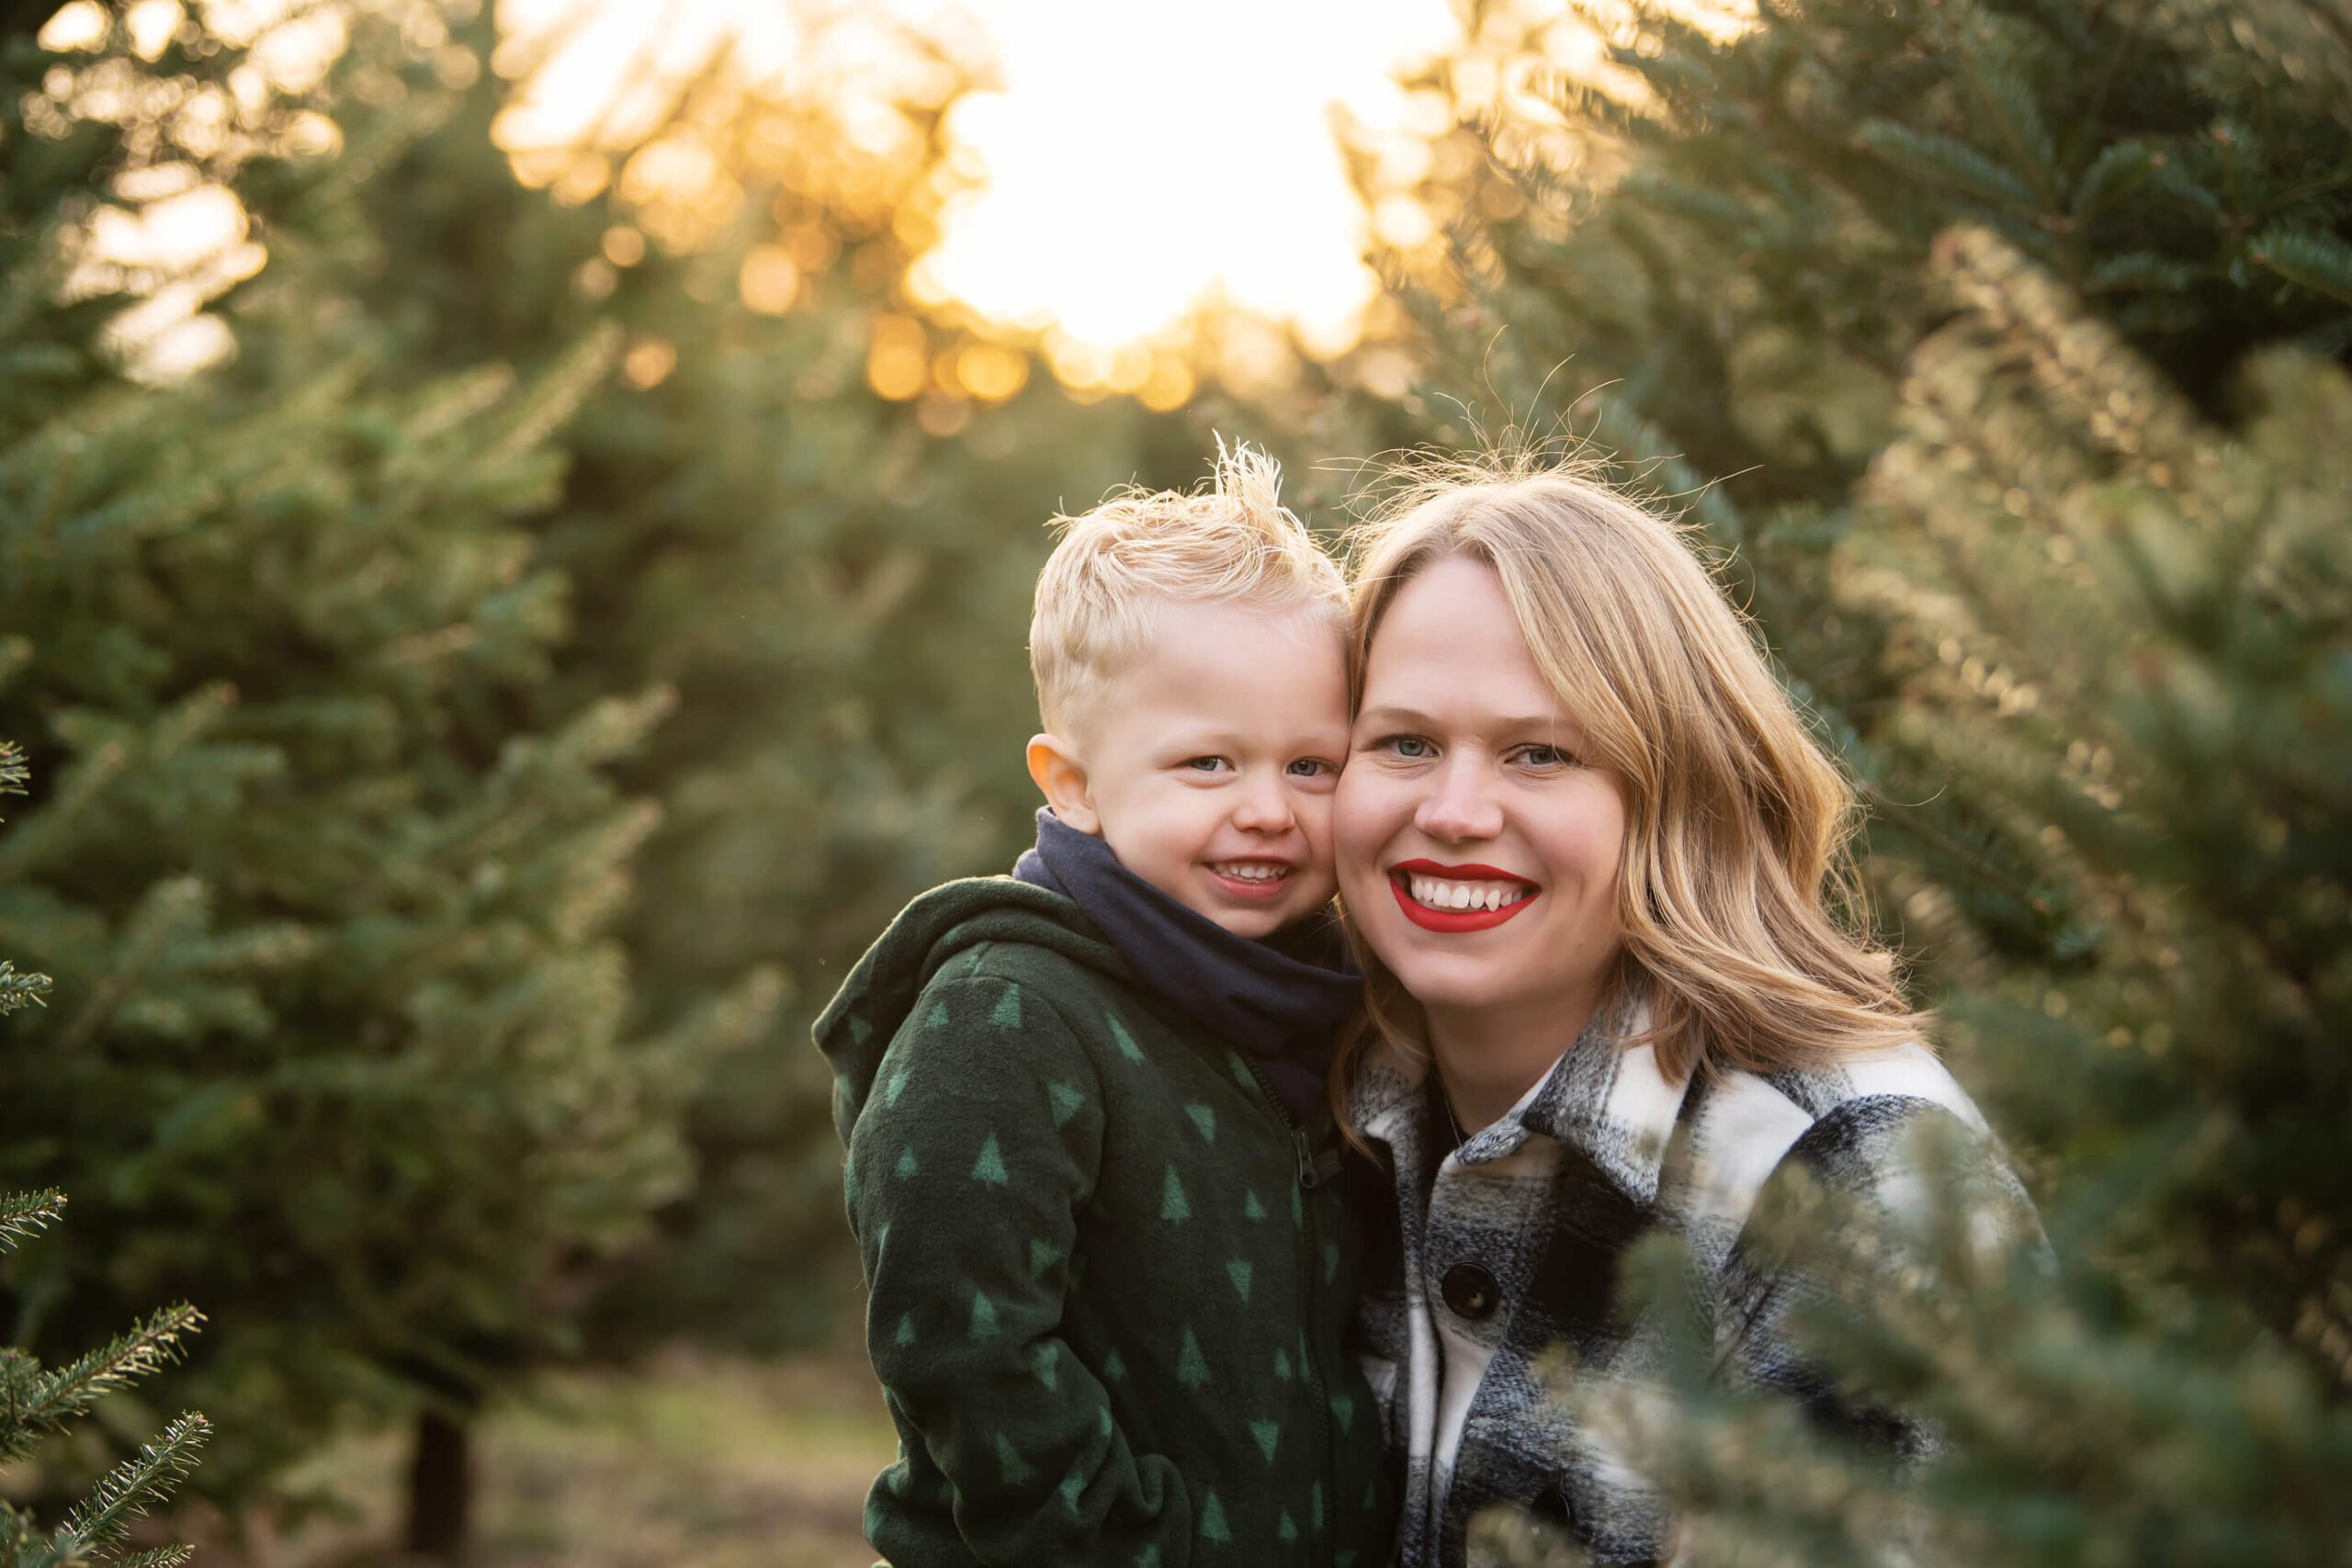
(1608, 1101)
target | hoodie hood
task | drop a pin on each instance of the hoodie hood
(930, 933)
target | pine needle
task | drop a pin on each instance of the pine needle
(74, 1387)
(127, 1490)
(24, 1215)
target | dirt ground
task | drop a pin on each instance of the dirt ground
(690, 1464)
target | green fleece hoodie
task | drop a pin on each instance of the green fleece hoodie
(1108, 1276)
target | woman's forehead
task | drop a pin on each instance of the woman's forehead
(1449, 655)
(1448, 622)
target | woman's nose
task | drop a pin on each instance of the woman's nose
(1459, 804)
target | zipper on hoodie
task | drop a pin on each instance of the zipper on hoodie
(1312, 1174)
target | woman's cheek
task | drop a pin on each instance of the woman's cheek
(1355, 826)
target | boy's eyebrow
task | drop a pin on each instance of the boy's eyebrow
(1415, 718)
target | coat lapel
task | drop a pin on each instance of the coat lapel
(1610, 1103)
(1602, 1100)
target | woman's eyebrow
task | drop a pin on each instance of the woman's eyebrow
(1415, 718)
(1410, 717)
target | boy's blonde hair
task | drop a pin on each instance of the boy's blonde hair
(1116, 565)
(1737, 902)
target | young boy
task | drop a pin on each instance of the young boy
(1089, 1156)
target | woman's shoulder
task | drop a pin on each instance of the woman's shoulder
(1864, 1122)
(1887, 1084)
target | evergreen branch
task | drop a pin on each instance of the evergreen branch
(158, 1557)
(74, 1387)
(2141, 270)
(85, 781)
(2081, 366)
(2172, 178)
(24, 1215)
(31, 287)
(13, 771)
(1909, 820)
(20, 990)
(2112, 174)
(557, 393)
(1946, 162)
(1993, 80)
(170, 907)
(124, 1494)
(2294, 195)
(2312, 257)
(2301, 48)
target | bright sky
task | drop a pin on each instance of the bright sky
(1143, 158)
(1136, 158)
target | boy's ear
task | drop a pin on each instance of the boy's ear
(1061, 778)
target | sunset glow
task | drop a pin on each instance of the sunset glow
(1142, 160)
(1121, 167)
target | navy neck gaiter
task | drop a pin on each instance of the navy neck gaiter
(1277, 1000)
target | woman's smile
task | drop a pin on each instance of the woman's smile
(1458, 898)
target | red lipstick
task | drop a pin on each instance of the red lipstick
(1451, 920)
(1473, 872)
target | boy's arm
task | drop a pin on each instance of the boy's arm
(967, 1166)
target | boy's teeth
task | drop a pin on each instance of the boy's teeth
(1250, 871)
(1438, 894)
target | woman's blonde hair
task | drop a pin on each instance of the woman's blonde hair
(1115, 566)
(1736, 880)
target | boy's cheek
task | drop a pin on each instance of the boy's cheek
(1320, 876)
(1315, 824)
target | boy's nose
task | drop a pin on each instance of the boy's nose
(1264, 808)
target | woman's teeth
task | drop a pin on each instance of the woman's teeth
(1250, 871)
(1442, 895)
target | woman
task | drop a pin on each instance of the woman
(1591, 857)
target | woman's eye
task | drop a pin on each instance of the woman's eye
(1546, 757)
(1409, 746)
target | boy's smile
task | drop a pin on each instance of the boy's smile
(1208, 766)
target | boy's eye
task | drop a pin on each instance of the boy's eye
(1205, 764)
(1310, 768)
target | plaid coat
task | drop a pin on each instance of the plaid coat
(1508, 1249)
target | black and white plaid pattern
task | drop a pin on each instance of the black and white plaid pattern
(1547, 1202)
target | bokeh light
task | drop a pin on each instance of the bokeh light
(1113, 173)
(1133, 165)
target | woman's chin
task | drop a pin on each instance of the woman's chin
(1445, 984)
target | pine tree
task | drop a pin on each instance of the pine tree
(36, 1402)
(348, 1053)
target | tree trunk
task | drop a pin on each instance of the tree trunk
(440, 1487)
